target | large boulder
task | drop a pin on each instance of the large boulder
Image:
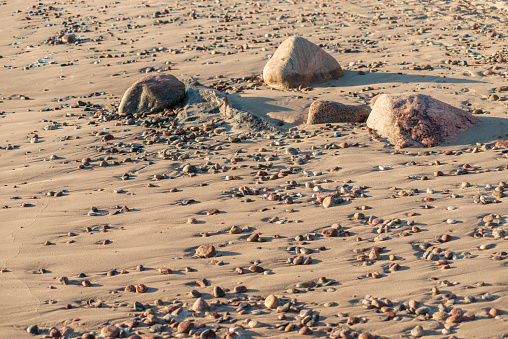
(408, 119)
(329, 112)
(298, 62)
(152, 93)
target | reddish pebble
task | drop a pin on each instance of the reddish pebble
(205, 251)
(305, 331)
(446, 237)
(329, 232)
(298, 260)
(141, 288)
(494, 312)
(185, 326)
(68, 38)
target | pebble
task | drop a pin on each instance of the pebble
(272, 302)
(218, 292)
(205, 251)
(417, 331)
(110, 331)
(33, 329)
(200, 305)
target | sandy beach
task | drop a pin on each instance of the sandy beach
(104, 216)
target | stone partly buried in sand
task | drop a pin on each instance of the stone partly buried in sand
(329, 112)
(417, 120)
(205, 251)
(152, 93)
(298, 62)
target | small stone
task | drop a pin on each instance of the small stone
(33, 329)
(329, 232)
(218, 292)
(328, 202)
(235, 230)
(272, 302)
(454, 319)
(205, 251)
(253, 237)
(110, 331)
(359, 216)
(200, 305)
(253, 324)
(298, 260)
(68, 38)
(417, 331)
(446, 237)
(494, 312)
(305, 331)
(185, 326)
(141, 288)
(208, 334)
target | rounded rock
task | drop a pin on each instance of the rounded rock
(110, 331)
(272, 302)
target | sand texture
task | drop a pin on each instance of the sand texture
(227, 216)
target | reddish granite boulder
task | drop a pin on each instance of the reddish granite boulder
(417, 120)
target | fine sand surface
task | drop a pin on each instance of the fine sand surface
(383, 47)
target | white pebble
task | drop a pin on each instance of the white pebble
(430, 190)
(451, 208)
(382, 168)
(445, 331)
(316, 173)
(451, 221)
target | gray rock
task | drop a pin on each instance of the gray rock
(329, 112)
(33, 329)
(417, 120)
(298, 62)
(218, 292)
(152, 93)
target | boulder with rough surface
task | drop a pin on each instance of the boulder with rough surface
(417, 120)
(298, 62)
(329, 112)
(152, 94)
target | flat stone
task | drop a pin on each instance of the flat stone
(329, 112)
